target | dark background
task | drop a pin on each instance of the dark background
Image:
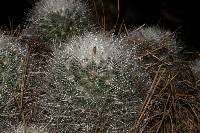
(176, 15)
(14, 12)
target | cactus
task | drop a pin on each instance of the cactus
(91, 86)
(58, 19)
(11, 56)
(10, 59)
(150, 42)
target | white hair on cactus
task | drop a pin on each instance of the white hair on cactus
(153, 40)
(5, 40)
(11, 43)
(45, 7)
(152, 33)
(90, 48)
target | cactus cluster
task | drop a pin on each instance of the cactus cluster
(63, 75)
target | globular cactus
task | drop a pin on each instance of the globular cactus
(11, 55)
(153, 47)
(91, 86)
(10, 59)
(58, 19)
(153, 44)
